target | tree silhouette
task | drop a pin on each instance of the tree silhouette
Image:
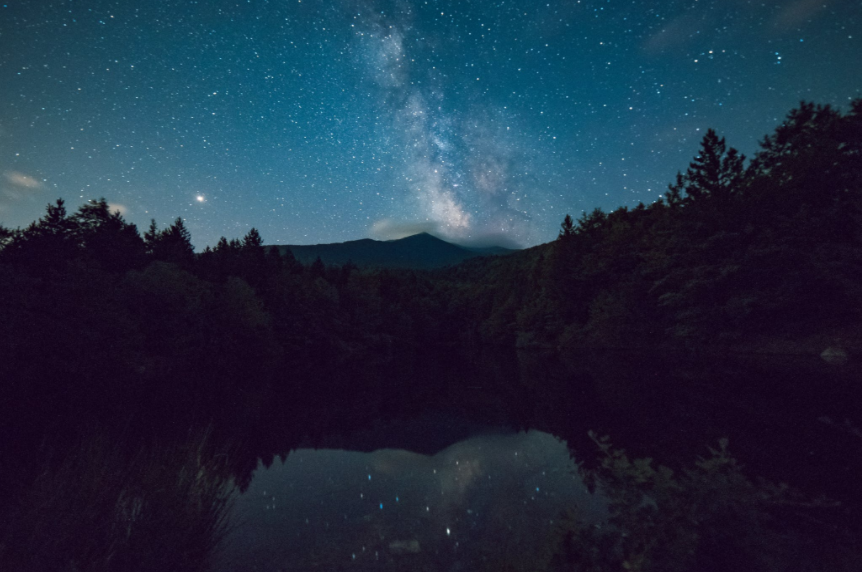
(45, 245)
(170, 245)
(56, 222)
(151, 237)
(6, 236)
(567, 228)
(590, 224)
(715, 172)
(317, 268)
(252, 240)
(107, 238)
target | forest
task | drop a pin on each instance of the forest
(117, 338)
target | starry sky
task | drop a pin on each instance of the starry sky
(324, 121)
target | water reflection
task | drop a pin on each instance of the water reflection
(480, 499)
(788, 420)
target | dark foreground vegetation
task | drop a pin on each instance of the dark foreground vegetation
(115, 343)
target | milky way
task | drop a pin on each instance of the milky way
(319, 121)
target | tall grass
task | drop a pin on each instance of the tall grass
(95, 507)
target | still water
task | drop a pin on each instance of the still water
(459, 463)
(487, 497)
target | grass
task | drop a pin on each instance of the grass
(94, 507)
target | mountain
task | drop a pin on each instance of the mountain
(418, 251)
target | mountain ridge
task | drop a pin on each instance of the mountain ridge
(419, 251)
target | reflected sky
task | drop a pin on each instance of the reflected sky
(485, 497)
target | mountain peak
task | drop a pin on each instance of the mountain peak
(420, 236)
(422, 250)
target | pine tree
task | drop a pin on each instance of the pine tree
(178, 242)
(45, 244)
(715, 171)
(252, 240)
(172, 244)
(317, 269)
(591, 223)
(107, 238)
(222, 247)
(290, 263)
(567, 228)
(151, 237)
(55, 222)
(181, 234)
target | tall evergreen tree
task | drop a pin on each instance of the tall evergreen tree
(715, 172)
(252, 240)
(107, 238)
(567, 228)
(222, 246)
(56, 221)
(317, 268)
(674, 196)
(172, 244)
(47, 243)
(151, 237)
(253, 267)
(591, 223)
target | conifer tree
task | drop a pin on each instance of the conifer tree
(591, 223)
(567, 228)
(715, 171)
(172, 244)
(107, 238)
(252, 240)
(151, 237)
(222, 246)
(317, 269)
(55, 222)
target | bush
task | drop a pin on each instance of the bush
(707, 518)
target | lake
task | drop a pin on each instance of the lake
(458, 462)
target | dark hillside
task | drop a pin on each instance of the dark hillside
(420, 251)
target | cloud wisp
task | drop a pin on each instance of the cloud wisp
(21, 180)
(388, 229)
(18, 190)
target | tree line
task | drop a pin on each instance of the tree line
(98, 317)
(734, 254)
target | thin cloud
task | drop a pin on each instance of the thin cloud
(388, 229)
(798, 13)
(115, 207)
(21, 180)
(490, 239)
(678, 32)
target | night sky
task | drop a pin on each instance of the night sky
(324, 121)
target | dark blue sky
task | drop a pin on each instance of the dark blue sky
(323, 121)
